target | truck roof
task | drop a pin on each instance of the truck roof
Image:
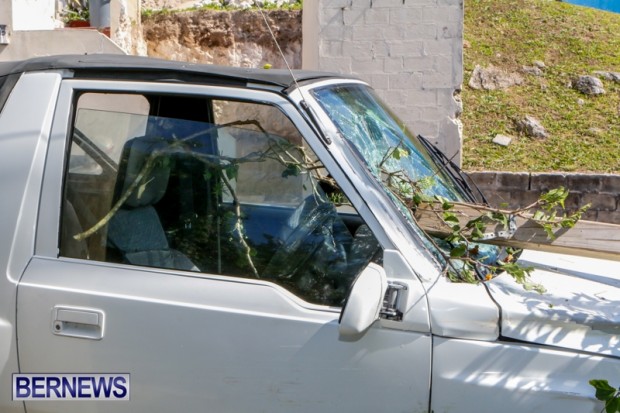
(145, 68)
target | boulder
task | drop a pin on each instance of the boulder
(531, 127)
(493, 78)
(533, 70)
(613, 76)
(589, 85)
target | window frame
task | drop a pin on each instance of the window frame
(49, 220)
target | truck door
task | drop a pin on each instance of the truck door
(186, 242)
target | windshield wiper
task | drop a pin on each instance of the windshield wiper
(461, 178)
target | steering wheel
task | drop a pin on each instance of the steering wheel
(304, 241)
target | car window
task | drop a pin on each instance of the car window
(6, 87)
(207, 185)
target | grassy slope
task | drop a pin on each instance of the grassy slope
(570, 40)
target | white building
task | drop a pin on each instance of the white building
(30, 28)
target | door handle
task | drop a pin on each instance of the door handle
(77, 322)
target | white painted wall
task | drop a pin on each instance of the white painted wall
(32, 43)
(34, 14)
(34, 31)
(410, 51)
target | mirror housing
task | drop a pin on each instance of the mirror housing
(364, 303)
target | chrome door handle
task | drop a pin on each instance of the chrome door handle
(77, 322)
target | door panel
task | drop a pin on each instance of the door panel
(194, 341)
(224, 345)
(477, 376)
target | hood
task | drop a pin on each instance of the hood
(579, 311)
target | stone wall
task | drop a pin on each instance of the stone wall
(521, 189)
(410, 51)
(234, 38)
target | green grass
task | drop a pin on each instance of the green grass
(572, 41)
(297, 5)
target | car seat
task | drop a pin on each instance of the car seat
(135, 230)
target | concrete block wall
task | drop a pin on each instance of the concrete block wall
(410, 51)
(522, 189)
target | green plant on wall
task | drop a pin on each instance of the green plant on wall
(76, 10)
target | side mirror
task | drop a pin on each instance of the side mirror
(364, 302)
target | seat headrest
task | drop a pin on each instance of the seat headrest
(151, 187)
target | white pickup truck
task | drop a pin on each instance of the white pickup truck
(170, 241)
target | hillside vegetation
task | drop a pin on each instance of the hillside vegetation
(584, 131)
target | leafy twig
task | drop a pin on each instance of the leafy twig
(463, 261)
(608, 394)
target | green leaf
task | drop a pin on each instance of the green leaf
(604, 390)
(554, 198)
(292, 169)
(399, 153)
(450, 218)
(499, 217)
(458, 251)
(613, 405)
(476, 234)
(231, 171)
(468, 275)
(549, 230)
(417, 199)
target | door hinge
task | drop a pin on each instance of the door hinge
(391, 301)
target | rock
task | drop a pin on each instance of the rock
(539, 64)
(502, 140)
(243, 4)
(208, 2)
(589, 85)
(533, 70)
(531, 127)
(613, 76)
(493, 78)
(246, 4)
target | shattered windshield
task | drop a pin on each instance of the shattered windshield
(397, 159)
(384, 142)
